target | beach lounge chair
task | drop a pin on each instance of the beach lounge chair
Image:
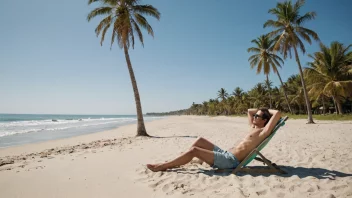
(271, 167)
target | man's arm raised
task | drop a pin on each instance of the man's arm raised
(251, 113)
(275, 117)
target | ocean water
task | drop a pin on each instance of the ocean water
(17, 129)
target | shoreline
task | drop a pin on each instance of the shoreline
(36, 141)
(67, 141)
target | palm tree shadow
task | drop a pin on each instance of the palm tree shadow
(301, 172)
(175, 136)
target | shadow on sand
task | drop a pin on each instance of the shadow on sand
(301, 172)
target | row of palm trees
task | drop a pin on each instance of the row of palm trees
(320, 86)
(126, 19)
(329, 74)
(287, 34)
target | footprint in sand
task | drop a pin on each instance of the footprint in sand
(262, 192)
(166, 188)
(311, 189)
(292, 188)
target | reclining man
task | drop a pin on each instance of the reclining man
(262, 122)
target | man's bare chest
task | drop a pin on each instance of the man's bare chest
(254, 133)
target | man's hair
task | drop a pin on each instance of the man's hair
(266, 114)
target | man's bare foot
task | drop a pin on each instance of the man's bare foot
(156, 167)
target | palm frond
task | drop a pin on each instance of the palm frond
(99, 11)
(131, 36)
(253, 49)
(113, 35)
(274, 24)
(304, 36)
(103, 34)
(309, 32)
(147, 10)
(138, 30)
(144, 23)
(298, 5)
(254, 59)
(306, 17)
(107, 2)
(102, 24)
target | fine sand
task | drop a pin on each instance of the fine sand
(318, 159)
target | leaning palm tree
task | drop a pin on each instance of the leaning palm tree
(329, 74)
(125, 17)
(288, 31)
(264, 58)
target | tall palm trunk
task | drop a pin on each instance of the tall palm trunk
(267, 79)
(284, 87)
(309, 110)
(140, 128)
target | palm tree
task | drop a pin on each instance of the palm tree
(238, 94)
(328, 73)
(126, 19)
(222, 93)
(256, 95)
(288, 31)
(265, 59)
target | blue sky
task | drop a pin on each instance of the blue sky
(51, 60)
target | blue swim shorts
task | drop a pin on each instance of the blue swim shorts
(224, 159)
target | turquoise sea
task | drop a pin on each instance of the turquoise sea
(17, 129)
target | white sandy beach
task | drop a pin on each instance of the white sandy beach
(318, 159)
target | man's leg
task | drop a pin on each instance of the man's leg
(204, 144)
(203, 154)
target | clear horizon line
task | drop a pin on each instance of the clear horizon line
(64, 114)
